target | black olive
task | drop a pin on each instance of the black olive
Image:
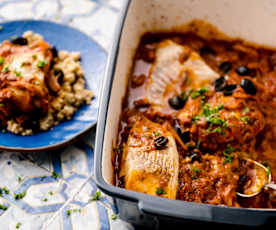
(54, 51)
(185, 136)
(229, 89)
(207, 51)
(161, 142)
(248, 86)
(225, 66)
(176, 102)
(195, 157)
(243, 71)
(20, 41)
(220, 84)
(59, 73)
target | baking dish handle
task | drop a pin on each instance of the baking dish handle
(175, 209)
(204, 212)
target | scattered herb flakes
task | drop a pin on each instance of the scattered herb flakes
(114, 216)
(41, 63)
(268, 170)
(199, 92)
(22, 64)
(17, 73)
(184, 96)
(6, 69)
(6, 191)
(160, 191)
(245, 119)
(45, 199)
(70, 211)
(18, 225)
(19, 179)
(51, 193)
(55, 175)
(217, 130)
(2, 60)
(227, 153)
(196, 173)
(3, 207)
(198, 144)
(195, 119)
(156, 134)
(96, 196)
(19, 196)
(34, 56)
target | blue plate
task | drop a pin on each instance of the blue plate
(93, 59)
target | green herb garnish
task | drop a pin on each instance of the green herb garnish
(97, 195)
(70, 211)
(41, 63)
(3, 207)
(199, 92)
(160, 191)
(6, 69)
(156, 134)
(196, 173)
(51, 193)
(17, 73)
(227, 153)
(245, 119)
(19, 196)
(55, 175)
(18, 225)
(268, 170)
(45, 199)
(2, 60)
(114, 216)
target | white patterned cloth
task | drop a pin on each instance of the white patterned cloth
(62, 203)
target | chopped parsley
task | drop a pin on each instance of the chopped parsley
(19, 179)
(199, 92)
(34, 56)
(160, 191)
(41, 63)
(19, 196)
(55, 175)
(245, 119)
(227, 153)
(198, 144)
(45, 199)
(114, 216)
(196, 173)
(216, 130)
(268, 170)
(70, 211)
(195, 119)
(4, 190)
(18, 225)
(6, 69)
(17, 73)
(2, 60)
(3, 207)
(156, 134)
(51, 193)
(97, 195)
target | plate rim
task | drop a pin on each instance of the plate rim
(78, 135)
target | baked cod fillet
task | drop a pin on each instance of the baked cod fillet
(175, 63)
(150, 160)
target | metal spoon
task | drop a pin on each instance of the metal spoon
(263, 182)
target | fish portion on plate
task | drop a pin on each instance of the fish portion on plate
(210, 104)
(39, 86)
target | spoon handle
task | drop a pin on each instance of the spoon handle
(271, 185)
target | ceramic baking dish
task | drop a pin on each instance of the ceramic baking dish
(251, 20)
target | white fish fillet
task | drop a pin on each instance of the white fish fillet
(168, 70)
(146, 169)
